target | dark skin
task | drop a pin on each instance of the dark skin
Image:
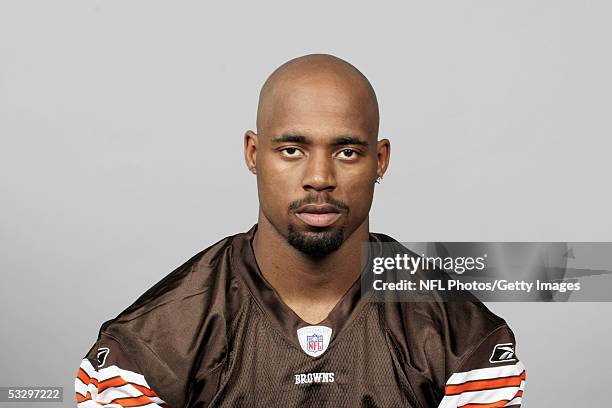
(316, 142)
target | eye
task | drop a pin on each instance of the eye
(291, 152)
(348, 154)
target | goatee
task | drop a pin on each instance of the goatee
(316, 244)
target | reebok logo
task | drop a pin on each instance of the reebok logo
(503, 353)
(102, 354)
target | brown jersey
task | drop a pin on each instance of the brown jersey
(214, 333)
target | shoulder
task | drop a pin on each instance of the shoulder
(431, 321)
(463, 318)
(442, 340)
(174, 316)
(442, 345)
(200, 277)
(440, 332)
(174, 328)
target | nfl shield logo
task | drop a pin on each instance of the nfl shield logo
(314, 342)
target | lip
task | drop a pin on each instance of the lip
(318, 220)
(319, 216)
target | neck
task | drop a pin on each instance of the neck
(310, 286)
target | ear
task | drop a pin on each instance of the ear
(250, 150)
(384, 155)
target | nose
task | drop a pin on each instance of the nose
(319, 174)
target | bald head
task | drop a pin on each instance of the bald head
(319, 84)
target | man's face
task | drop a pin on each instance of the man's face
(317, 160)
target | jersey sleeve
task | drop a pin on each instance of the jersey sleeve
(110, 377)
(489, 376)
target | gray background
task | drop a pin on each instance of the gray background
(121, 130)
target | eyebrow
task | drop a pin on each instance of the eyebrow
(289, 137)
(349, 140)
(337, 141)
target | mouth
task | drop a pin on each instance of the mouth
(319, 216)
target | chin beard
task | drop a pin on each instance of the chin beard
(317, 244)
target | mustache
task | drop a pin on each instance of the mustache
(313, 199)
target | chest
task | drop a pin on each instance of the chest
(357, 369)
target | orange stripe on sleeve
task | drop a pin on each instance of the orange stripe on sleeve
(116, 382)
(495, 404)
(80, 397)
(85, 379)
(478, 385)
(131, 401)
(491, 405)
(82, 375)
(110, 383)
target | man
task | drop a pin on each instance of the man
(275, 316)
